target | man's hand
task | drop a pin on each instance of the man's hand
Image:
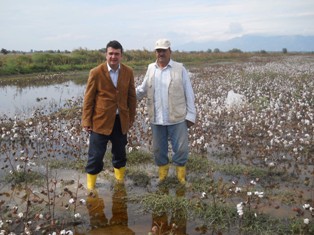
(130, 124)
(189, 123)
(87, 129)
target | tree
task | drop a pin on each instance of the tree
(235, 50)
(4, 51)
(284, 50)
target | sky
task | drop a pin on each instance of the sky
(27, 25)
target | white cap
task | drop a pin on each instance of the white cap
(162, 44)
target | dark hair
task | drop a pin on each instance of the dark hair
(114, 44)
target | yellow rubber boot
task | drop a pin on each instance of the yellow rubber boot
(181, 172)
(163, 172)
(91, 181)
(119, 174)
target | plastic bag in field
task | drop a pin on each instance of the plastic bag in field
(234, 100)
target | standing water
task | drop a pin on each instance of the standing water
(17, 101)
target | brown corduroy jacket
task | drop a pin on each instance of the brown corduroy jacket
(102, 99)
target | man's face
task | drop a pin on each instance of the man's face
(113, 57)
(163, 56)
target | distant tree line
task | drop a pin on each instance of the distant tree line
(13, 62)
(216, 50)
(5, 51)
(16, 62)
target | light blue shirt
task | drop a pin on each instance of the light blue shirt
(162, 80)
(114, 77)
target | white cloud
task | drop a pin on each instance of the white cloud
(43, 24)
(235, 28)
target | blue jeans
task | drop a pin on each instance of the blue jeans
(178, 136)
(98, 147)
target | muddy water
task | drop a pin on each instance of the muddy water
(107, 210)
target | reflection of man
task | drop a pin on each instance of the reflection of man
(118, 224)
(177, 223)
(96, 208)
(119, 207)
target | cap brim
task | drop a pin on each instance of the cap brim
(161, 48)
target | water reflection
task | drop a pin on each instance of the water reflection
(118, 223)
(176, 223)
(96, 210)
(16, 100)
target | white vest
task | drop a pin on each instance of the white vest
(176, 96)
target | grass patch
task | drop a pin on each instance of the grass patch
(202, 184)
(159, 204)
(218, 217)
(240, 170)
(140, 178)
(136, 157)
(24, 177)
(77, 164)
(198, 163)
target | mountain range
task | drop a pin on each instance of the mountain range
(253, 43)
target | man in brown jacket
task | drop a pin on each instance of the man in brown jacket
(108, 112)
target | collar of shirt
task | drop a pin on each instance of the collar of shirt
(110, 69)
(169, 64)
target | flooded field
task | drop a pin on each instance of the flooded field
(48, 94)
(251, 168)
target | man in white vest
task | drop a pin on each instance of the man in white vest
(171, 109)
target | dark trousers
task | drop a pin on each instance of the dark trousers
(98, 146)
